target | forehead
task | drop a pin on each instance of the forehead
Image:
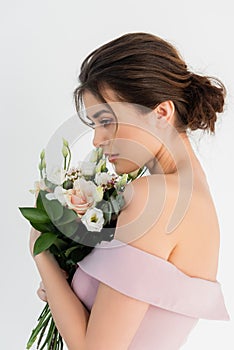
(92, 104)
(89, 99)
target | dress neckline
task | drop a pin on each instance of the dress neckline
(170, 265)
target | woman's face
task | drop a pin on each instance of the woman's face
(132, 144)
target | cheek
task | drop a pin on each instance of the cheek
(129, 136)
(128, 133)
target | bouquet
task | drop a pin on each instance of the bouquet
(76, 208)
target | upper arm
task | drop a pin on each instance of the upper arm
(145, 200)
(130, 223)
(114, 319)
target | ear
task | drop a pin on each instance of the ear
(165, 109)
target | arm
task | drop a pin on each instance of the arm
(69, 314)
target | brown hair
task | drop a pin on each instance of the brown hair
(146, 70)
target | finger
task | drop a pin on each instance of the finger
(42, 295)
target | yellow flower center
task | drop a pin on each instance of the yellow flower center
(94, 218)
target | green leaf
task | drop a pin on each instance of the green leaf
(54, 209)
(106, 208)
(35, 215)
(69, 215)
(43, 242)
(61, 244)
(121, 201)
(49, 184)
(39, 202)
(115, 205)
(68, 229)
(48, 227)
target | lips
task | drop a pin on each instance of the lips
(111, 157)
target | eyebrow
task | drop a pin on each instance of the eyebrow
(97, 114)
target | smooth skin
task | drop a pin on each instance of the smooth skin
(193, 246)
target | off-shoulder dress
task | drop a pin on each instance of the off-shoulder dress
(177, 301)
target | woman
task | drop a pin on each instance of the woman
(151, 289)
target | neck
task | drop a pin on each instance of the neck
(177, 155)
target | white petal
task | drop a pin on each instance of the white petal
(60, 193)
(50, 196)
(56, 176)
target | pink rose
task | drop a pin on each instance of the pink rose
(78, 202)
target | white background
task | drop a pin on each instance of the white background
(42, 46)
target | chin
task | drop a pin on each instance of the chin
(125, 167)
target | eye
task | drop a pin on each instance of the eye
(106, 122)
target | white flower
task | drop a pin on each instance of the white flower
(96, 154)
(102, 178)
(56, 176)
(86, 168)
(93, 219)
(38, 185)
(59, 194)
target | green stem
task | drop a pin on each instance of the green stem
(69, 161)
(40, 327)
(65, 165)
(43, 331)
(44, 311)
(49, 335)
(53, 335)
(60, 342)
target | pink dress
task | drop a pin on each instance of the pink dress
(177, 301)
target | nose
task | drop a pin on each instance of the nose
(100, 139)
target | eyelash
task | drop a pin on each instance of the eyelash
(106, 122)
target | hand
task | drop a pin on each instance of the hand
(41, 292)
(34, 234)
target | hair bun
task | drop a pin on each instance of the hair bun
(206, 98)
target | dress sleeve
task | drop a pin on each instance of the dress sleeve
(149, 278)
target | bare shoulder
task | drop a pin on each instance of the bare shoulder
(197, 250)
(140, 222)
(193, 244)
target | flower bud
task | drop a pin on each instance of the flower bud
(99, 152)
(123, 180)
(42, 155)
(43, 163)
(65, 143)
(101, 166)
(64, 151)
(134, 174)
